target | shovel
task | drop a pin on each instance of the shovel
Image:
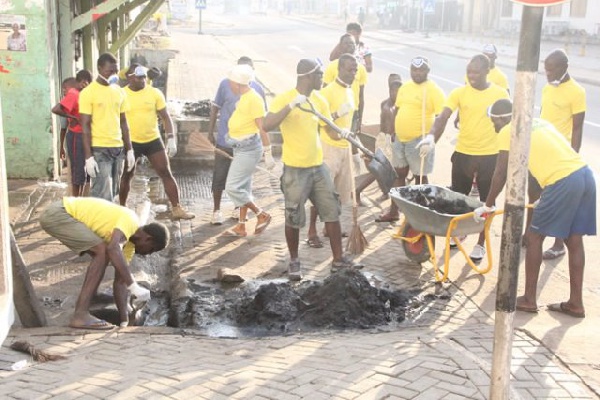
(378, 164)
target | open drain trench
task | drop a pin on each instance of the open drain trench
(345, 300)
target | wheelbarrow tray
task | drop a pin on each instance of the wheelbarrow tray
(430, 221)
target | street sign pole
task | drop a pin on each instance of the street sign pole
(510, 247)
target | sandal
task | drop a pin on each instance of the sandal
(562, 308)
(233, 233)
(314, 242)
(262, 221)
(552, 254)
(387, 218)
(344, 263)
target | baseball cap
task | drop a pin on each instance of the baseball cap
(419, 61)
(490, 49)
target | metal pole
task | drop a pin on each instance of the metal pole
(200, 21)
(443, 12)
(510, 247)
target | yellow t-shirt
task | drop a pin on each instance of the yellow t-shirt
(142, 114)
(498, 77)
(476, 135)
(243, 120)
(336, 95)
(331, 72)
(495, 76)
(409, 118)
(105, 105)
(551, 157)
(560, 103)
(103, 217)
(300, 130)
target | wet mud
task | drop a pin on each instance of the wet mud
(345, 300)
(427, 197)
(197, 108)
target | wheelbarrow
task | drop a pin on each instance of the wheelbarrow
(431, 210)
(378, 164)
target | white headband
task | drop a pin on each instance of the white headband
(418, 62)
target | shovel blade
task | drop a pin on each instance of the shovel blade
(383, 171)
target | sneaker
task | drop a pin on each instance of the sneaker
(294, 270)
(453, 241)
(344, 263)
(478, 253)
(217, 218)
(178, 212)
(235, 214)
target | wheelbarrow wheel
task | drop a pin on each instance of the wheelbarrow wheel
(417, 251)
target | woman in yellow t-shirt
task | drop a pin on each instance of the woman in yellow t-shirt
(249, 141)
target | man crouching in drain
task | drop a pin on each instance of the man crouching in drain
(110, 234)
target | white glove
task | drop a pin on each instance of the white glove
(139, 292)
(535, 203)
(91, 167)
(426, 145)
(481, 213)
(345, 133)
(171, 147)
(298, 100)
(269, 160)
(345, 109)
(130, 160)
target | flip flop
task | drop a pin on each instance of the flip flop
(561, 308)
(99, 325)
(527, 309)
(552, 254)
(314, 242)
(230, 233)
(386, 218)
(260, 228)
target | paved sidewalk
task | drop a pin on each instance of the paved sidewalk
(444, 353)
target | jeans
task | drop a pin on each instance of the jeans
(110, 167)
(246, 156)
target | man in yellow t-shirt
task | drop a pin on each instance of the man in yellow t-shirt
(417, 103)
(337, 153)
(145, 105)
(304, 174)
(566, 209)
(110, 234)
(563, 105)
(102, 107)
(495, 75)
(477, 143)
(348, 46)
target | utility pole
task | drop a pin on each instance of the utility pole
(510, 247)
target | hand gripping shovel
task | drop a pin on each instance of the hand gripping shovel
(378, 164)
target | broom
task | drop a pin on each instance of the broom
(36, 354)
(202, 143)
(356, 241)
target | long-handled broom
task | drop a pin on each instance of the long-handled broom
(357, 242)
(202, 143)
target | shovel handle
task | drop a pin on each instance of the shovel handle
(337, 129)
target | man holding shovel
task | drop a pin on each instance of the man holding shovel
(336, 153)
(304, 174)
(417, 103)
(566, 208)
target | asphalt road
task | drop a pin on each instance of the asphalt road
(281, 42)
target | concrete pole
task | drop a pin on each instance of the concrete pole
(510, 247)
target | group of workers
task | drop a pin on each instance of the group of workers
(110, 128)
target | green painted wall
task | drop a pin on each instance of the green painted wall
(29, 90)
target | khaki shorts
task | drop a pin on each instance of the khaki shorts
(314, 184)
(338, 162)
(59, 224)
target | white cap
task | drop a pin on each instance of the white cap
(241, 74)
